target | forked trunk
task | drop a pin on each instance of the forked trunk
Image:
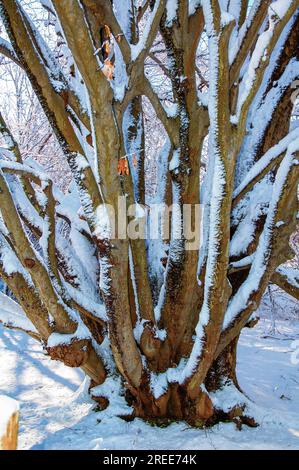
(153, 315)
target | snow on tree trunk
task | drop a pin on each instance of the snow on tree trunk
(9, 423)
(153, 318)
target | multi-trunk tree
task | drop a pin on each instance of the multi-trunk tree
(162, 316)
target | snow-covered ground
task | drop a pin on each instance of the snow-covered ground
(57, 414)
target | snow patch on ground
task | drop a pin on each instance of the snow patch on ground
(56, 412)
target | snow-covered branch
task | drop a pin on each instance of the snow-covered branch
(8, 51)
(287, 279)
(12, 316)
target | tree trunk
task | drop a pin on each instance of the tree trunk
(85, 288)
(223, 369)
(9, 423)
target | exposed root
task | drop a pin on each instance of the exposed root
(231, 405)
(227, 404)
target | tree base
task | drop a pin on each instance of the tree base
(227, 404)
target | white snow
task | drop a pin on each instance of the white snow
(292, 275)
(8, 407)
(56, 412)
(56, 339)
(262, 111)
(6, 45)
(21, 167)
(215, 190)
(171, 11)
(102, 223)
(261, 53)
(271, 155)
(235, 9)
(137, 49)
(241, 299)
(280, 7)
(175, 161)
(193, 5)
(11, 314)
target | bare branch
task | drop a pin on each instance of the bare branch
(272, 158)
(31, 262)
(140, 50)
(103, 12)
(264, 48)
(7, 50)
(168, 123)
(288, 280)
(249, 35)
(280, 223)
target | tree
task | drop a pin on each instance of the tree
(99, 299)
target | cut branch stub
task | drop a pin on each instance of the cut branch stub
(74, 354)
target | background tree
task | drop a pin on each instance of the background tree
(163, 318)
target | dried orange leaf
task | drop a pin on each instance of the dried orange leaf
(123, 167)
